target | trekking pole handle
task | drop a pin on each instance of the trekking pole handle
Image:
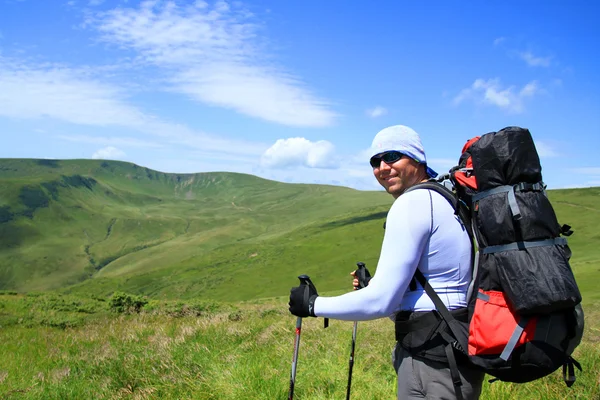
(361, 275)
(305, 280)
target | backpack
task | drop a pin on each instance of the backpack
(524, 313)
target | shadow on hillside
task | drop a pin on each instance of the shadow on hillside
(48, 163)
(13, 236)
(355, 220)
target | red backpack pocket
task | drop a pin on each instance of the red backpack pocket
(495, 328)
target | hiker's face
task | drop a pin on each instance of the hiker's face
(398, 176)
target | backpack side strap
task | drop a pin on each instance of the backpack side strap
(524, 245)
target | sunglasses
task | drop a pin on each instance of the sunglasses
(388, 157)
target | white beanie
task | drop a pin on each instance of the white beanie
(403, 139)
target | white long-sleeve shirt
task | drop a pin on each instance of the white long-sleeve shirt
(422, 232)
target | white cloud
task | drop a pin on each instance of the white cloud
(62, 93)
(535, 61)
(111, 141)
(530, 89)
(377, 111)
(499, 40)
(544, 150)
(492, 92)
(214, 55)
(357, 178)
(594, 171)
(76, 96)
(109, 153)
(298, 151)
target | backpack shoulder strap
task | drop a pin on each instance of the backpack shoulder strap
(456, 340)
(460, 208)
(442, 310)
(463, 213)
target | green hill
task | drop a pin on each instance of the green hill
(107, 225)
(94, 227)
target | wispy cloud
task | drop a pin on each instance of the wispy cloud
(214, 54)
(499, 40)
(588, 177)
(492, 92)
(377, 111)
(109, 153)
(110, 141)
(77, 96)
(545, 150)
(63, 93)
(298, 151)
(535, 61)
(594, 171)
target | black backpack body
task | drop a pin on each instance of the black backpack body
(524, 312)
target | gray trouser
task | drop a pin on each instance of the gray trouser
(419, 379)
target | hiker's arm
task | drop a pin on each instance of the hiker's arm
(407, 231)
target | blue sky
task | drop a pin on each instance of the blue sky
(295, 90)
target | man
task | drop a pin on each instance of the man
(422, 232)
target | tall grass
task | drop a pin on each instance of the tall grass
(219, 351)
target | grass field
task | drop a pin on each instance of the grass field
(67, 347)
(209, 259)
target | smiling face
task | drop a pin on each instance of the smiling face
(398, 176)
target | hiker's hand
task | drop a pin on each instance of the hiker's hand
(356, 282)
(302, 300)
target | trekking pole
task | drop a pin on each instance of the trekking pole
(362, 278)
(304, 280)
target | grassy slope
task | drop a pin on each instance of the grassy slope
(69, 346)
(71, 219)
(326, 250)
(580, 208)
(221, 236)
